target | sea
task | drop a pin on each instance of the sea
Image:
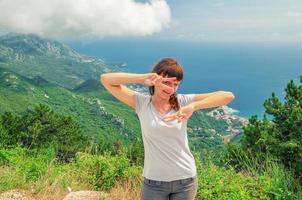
(252, 71)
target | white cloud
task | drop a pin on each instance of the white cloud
(84, 18)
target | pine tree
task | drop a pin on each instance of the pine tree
(40, 128)
(280, 137)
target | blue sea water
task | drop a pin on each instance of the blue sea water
(252, 71)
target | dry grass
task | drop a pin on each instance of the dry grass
(126, 190)
(47, 188)
(54, 195)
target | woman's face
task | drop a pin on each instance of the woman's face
(167, 88)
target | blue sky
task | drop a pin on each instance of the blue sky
(236, 20)
(197, 20)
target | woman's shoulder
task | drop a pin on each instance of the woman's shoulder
(141, 100)
(142, 94)
(142, 97)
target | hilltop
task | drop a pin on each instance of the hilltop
(30, 55)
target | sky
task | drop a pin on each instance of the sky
(197, 20)
(236, 20)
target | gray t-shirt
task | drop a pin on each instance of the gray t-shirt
(167, 153)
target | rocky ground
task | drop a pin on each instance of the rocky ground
(78, 195)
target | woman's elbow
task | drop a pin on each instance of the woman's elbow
(103, 78)
(229, 96)
(106, 79)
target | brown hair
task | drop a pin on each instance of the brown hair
(170, 67)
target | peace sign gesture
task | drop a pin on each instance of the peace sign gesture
(154, 79)
(182, 114)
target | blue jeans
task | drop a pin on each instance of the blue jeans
(182, 189)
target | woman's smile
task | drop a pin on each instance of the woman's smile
(167, 92)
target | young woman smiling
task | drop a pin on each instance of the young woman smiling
(169, 166)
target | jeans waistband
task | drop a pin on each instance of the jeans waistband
(179, 180)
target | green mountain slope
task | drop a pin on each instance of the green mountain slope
(35, 70)
(31, 56)
(19, 93)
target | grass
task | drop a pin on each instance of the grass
(40, 175)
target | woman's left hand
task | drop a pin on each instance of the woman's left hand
(182, 114)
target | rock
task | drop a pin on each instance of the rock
(85, 195)
(13, 195)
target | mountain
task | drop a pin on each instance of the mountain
(18, 93)
(89, 85)
(38, 80)
(30, 55)
(36, 70)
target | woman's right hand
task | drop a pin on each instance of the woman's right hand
(153, 79)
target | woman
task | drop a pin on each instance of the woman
(169, 167)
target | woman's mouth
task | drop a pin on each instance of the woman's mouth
(166, 92)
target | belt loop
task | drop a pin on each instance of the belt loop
(147, 180)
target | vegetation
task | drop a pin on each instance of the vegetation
(279, 139)
(39, 128)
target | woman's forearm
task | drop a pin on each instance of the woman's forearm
(119, 78)
(215, 100)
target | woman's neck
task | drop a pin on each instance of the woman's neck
(159, 102)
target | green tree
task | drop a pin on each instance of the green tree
(280, 137)
(42, 127)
